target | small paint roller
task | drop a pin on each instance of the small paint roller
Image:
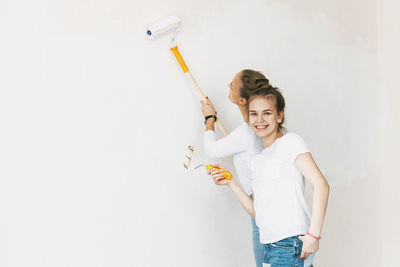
(188, 156)
(188, 159)
(172, 24)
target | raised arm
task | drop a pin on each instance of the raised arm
(207, 108)
(237, 141)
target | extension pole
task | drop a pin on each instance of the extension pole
(185, 70)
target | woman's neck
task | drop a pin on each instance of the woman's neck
(270, 139)
(245, 112)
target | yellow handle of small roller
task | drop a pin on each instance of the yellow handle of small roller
(227, 175)
(179, 59)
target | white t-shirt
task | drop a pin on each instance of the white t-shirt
(242, 143)
(278, 187)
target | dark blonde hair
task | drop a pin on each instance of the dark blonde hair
(248, 80)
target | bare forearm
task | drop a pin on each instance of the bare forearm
(320, 202)
(210, 124)
(243, 198)
(208, 109)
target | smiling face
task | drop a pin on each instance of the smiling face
(264, 118)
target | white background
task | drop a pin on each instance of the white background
(95, 121)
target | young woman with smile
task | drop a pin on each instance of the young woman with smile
(288, 233)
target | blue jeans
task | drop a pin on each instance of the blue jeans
(309, 261)
(258, 248)
(259, 252)
(284, 253)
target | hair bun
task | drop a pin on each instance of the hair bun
(261, 84)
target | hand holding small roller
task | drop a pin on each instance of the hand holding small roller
(220, 177)
(188, 158)
(227, 175)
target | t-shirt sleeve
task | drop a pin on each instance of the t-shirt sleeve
(235, 142)
(295, 146)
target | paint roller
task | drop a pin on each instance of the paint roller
(188, 160)
(172, 24)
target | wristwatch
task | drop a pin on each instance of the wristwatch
(208, 117)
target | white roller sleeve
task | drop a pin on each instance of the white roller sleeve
(162, 26)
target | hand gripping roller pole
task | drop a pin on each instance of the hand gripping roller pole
(169, 24)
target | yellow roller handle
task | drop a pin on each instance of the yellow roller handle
(179, 59)
(227, 175)
(187, 72)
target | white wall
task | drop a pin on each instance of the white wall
(389, 85)
(95, 120)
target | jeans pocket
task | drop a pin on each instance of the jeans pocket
(282, 253)
(287, 243)
(280, 246)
